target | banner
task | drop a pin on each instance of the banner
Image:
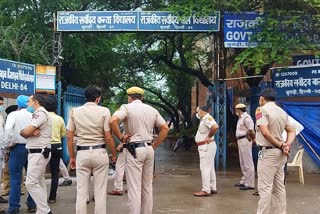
(45, 79)
(306, 60)
(134, 21)
(239, 27)
(296, 81)
(17, 77)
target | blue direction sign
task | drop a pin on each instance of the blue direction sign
(17, 77)
(166, 21)
(97, 21)
(297, 81)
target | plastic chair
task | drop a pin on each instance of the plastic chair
(297, 162)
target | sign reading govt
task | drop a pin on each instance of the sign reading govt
(297, 81)
(17, 77)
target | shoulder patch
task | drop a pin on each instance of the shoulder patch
(258, 114)
(210, 118)
(35, 116)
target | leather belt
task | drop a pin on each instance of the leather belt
(79, 148)
(267, 147)
(36, 150)
(203, 142)
(137, 145)
(241, 137)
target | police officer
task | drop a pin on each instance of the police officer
(245, 135)
(207, 151)
(140, 119)
(271, 121)
(38, 134)
(91, 122)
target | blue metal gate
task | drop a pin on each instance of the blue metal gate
(219, 94)
(73, 97)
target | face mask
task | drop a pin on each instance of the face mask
(1, 108)
(30, 109)
(198, 116)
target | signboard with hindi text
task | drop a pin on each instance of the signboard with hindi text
(166, 21)
(17, 77)
(133, 21)
(239, 28)
(297, 81)
(97, 21)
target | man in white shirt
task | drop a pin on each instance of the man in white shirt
(16, 121)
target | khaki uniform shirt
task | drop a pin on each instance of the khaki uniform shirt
(205, 125)
(275, 118)
(90, 121)
(41, 120)
(245, 123)
(139, 119)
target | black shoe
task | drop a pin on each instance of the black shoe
(246, 188)
(66, 183)
(3, 201)
(239, 185)
(32, 209)
(213, 192)
(50, 212)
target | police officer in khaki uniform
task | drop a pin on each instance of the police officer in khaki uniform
(271, 122)
(245, 135)
(38, 134)
(140, 120)
(207, 151)
(91, 122)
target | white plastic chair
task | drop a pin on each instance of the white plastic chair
(297, 162)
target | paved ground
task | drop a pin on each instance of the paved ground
(178, 176)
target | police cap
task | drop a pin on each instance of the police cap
(135, 90)
(240, 105)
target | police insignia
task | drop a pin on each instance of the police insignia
(258, 114)
(210, 118)
(35, 116)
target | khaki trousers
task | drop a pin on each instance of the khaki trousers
(271, 182)
(139, 172)
(35, 181)
(207, 153)
(95, 161)
(120, 167)
(246, 162)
